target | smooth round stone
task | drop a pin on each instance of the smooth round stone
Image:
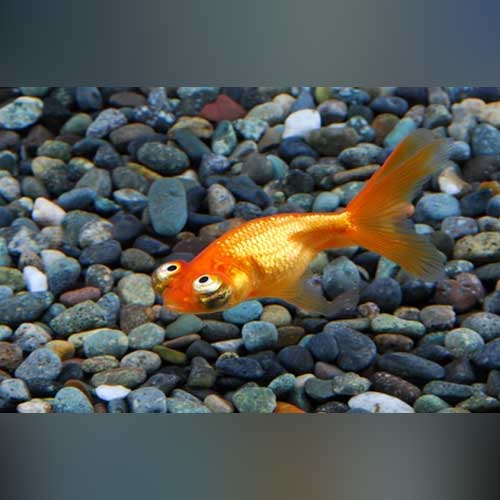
(81, 317)
(485, 140)
(259, 335)
(480, 403)
(112, 392)
(14, 390)
(12, 278)
(136, 289)
(41, 364)
(149, 361)
(356, 351)
(21, 113)
(392, 342)
(389, 104)
(282, 384)
(436, 207)
(105, 341)
(77, 124)
(493, 207)
(98, 364)
(216, 404)
(255, 400)
(402, 129)
(184, 325)
(463, 342)
(296, 359)
(220, 200)
(360, 155)
(277, 315)
(214, 330)
(326, 202)
(167, 206)
(88, 98)
(166, 160)
(340, 276)
(202, 375)
(64, 349)
(147, 400)
(106, 252)
(138, 261)
(395, 386)
(409, 366)
(448, 391)
(34, 406)
(385, 292)
(301, 123)
(323, 347)
(72, 400)
(480, 248)
(179, 405)
(429, 403)
(105, 122)
(387, 323)
(319, 390)
(29, 336)
(11, 356)
(169, 355)
(35, 280)
(438, 317)
(377, 402)
(146, 336)
(484, 323)
(128, 377)
(5, 332)
(243, 313)
(350, 384)
(489, 356)
(244, 368)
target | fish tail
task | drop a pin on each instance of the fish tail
(378, 215)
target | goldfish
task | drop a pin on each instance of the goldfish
(270, 256)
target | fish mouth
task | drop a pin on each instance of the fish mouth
(217, 299)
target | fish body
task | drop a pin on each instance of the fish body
(269, 256)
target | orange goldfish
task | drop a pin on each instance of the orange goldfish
(269, 256)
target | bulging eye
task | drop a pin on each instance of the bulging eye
(163, 273)
(206, 284)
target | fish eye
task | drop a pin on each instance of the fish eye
(163, 273)
(206, 284)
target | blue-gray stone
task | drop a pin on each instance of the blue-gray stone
(104, 341)
(401, 130)
(24, 307)
(42, 364)
(84, 316)
(21, 113)
(179, 405)
(249, 310)
(72, 400)
(339, 276)
(14, 390)
(244, 368)
(255, 400)
(484, 323)
(106, 121)
(282, 384)
(259, 335)
(167, 206)
(147, 400)
(62, 274)
(485, 140)
(436, 207)
(410, 367)
(146, 336)
(166, 160)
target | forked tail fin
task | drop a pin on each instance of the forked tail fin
(378, 214)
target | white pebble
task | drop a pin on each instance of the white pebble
(300, 123)
(35, 280)
(377, 402)
(34, 406)
(110, 392)
(47, 213)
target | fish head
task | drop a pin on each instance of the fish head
(194, 287)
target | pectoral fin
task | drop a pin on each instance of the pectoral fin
(308, 296)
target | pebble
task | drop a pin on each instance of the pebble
(244, 312)
(14, 390)
(411, 367)
(146, 336)
(137, 289)
(24, 307)
(35, 280)
(489, 355)
(259, 335)
(147, 400)
(300, 123)
(41, 364)
(111, 392)
(395, 386)
(104, 341)
(436, 207)
(128, 377)
(449, 391)
(71, 400)
(178, 405)
(429, 403)
(485, 140)
(387, 323)
(184, 325)
(244, 368)
(34, 406)
(202, 375)
(105, 122)
(296, 359)
(323, 347)
(255, 400)
(167, 206)
(21, 113)
(484, 323)
(479, 248)
(356, 351)
(84, 316)
(463, 342)
(216, 404)
(377, 402)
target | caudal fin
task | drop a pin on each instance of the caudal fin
(378, 214)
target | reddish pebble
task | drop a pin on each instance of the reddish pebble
(223, 108)
(76, 296)
(282, 407)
